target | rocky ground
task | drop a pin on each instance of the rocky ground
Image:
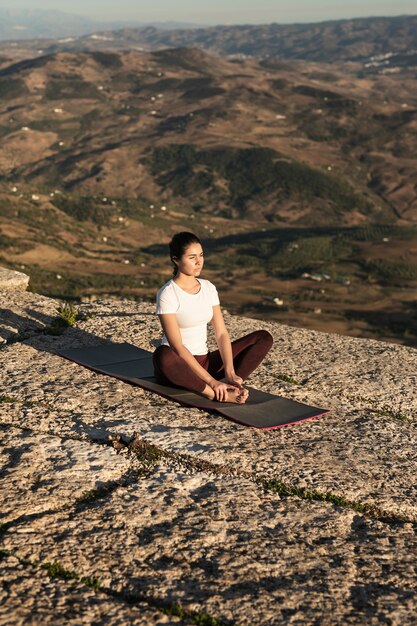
(121, 507)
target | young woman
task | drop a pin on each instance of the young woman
(185, 305)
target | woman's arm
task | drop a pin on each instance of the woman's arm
(225, 346)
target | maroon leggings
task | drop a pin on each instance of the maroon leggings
(248, 352)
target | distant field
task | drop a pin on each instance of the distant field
(358, 281)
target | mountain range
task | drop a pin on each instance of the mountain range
(301, 174)
(38, 24)
(378, 44)
(341, 40)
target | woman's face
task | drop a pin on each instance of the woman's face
(192, 261)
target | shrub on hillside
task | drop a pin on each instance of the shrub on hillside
(279, 83)
(203, 92)
(200, 88)
(88, 119)
(71, 88)
(392, 271)
(12, 88)
(250, 174)
(107, 59)
(378, 233)
(26, 64)
(326, 98)
(177, 123)
(83, 208)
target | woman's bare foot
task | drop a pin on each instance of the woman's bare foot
(234, 394)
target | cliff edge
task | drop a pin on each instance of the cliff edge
(122, 507)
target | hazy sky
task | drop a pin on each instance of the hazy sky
(221, 11)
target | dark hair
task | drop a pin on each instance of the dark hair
(178, 245)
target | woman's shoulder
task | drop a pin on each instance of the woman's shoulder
(210, 291)
(169, 286)
(206, 284)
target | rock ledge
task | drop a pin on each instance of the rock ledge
(11, 280)
(120, 507)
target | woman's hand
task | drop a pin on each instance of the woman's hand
(220, 389)
(235, 380)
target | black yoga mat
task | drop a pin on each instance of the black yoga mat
(134, 365)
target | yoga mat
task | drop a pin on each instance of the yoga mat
(134, 365)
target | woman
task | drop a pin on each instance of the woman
(185, 305)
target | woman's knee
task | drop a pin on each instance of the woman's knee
(164, 356)
(264, 337)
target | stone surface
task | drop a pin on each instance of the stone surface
(29, 597)
(24, 313)
(226, 548)
(200, 531)
(11, 280)
(41, 472)
(354, 451)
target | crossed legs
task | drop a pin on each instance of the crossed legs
(248, 352)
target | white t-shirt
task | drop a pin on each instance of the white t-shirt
(193, 311)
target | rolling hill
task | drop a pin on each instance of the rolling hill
(296, 173)
(377, 44)
(234, 138)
